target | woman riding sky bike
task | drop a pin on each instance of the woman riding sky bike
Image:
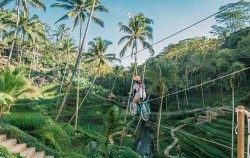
(139, 88)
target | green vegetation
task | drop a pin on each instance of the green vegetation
(5, 154)
(71, 102)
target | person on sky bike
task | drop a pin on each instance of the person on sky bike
(140, 93)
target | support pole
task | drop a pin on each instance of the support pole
(241, 123)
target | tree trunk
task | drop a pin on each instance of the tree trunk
(21, 56)
(37, 60)
(32, 62)
(77, 95)
(1, 35)
(1, 112)
(186, 96)
(82, 101)
(129, 98)
(15, 33)
(78, 77)
(136, 73)
(178, 102)
(186, 74)
(76, 64)
(221, 94)
(166, 103)
(202, 92)
(62, 82)
(113, 86)
(159, 124)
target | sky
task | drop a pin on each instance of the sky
(169, 16)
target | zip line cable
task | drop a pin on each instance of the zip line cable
(201, 84)
(185, 28)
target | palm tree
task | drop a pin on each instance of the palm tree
(5, 101)
(29, 28)
(80, 10)
(61, 32)
(113, 122)
(21, 4)
(13, 82)
(97, 55)
(68, 49)
(138, 31)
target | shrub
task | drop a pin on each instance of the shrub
(22, 137)
(5, 154)
(54, 136)
(26, 121)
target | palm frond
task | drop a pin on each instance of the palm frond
(124, 49)
(4, 3)
(123, 39)
(63, 6)
(125, 28)
(65, 17)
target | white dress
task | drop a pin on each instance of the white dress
(140, 90)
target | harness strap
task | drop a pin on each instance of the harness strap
(138, 88)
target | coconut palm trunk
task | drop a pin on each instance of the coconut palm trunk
(159, 124)
(129, 98)
(202, 92)
(186, 98)
(89, 90)
(32, 62)
(112, 89)
(77, 94)
(15, 33)
(87, 93)
(135, 57)
(166, 103)
(77, 62)
(78, 78)
(178, 102)
(62, 82)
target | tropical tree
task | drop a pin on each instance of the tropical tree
(24, 5)
(61, 32)
(5, 101)
(68, 50)
(13, 83)
(28, 28)
(97, 55)
(80, 10)
(113, 122)
(232, 17)
(138, 30)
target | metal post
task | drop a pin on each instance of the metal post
(241, 121)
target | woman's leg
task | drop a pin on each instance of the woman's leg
(135, 100)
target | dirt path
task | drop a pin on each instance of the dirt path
(167, 150)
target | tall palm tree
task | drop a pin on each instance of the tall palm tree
(138, 30)
(68, 49)
(97, 55)
(28, 28)
(61, 32)
(21, 4)
(80, 9)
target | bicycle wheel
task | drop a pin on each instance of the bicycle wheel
(145, 111)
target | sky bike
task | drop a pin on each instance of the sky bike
(142, 108)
